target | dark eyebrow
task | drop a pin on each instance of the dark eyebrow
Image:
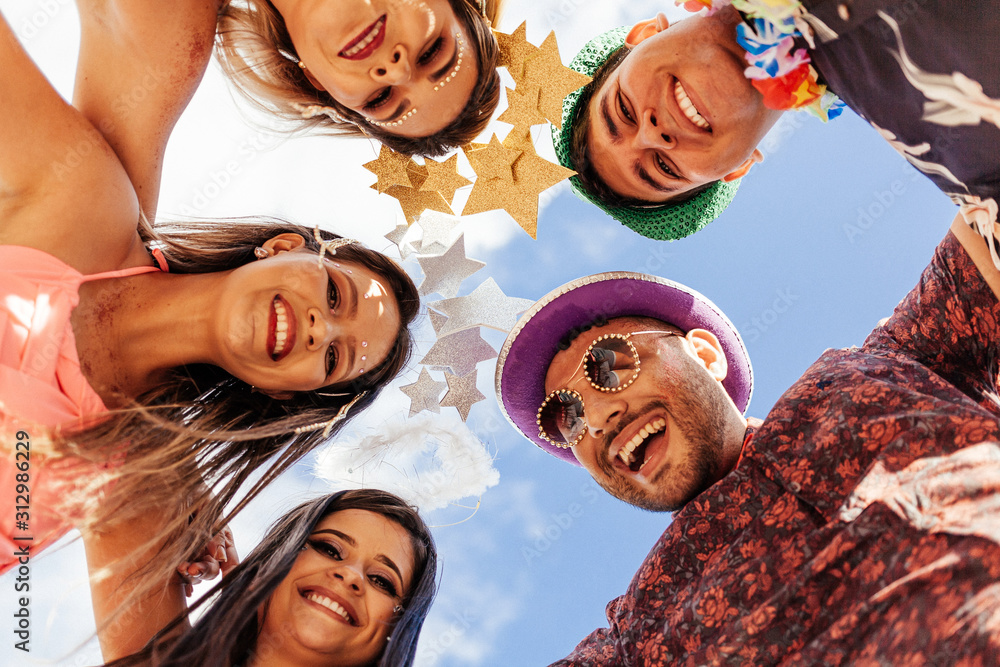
(382, 558)
(354, 297)
(398, 112)
(436, 76)
(641, 172)
(608, 121)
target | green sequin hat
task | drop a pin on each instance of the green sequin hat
(663, 222)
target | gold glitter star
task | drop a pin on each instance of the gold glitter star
(462, 393)
(545, 69)
(514, 50)
(414, 201)
(493, 162)
(522, 109)
(532, 176)
(391, 169)
(519, 139)
(443, 177)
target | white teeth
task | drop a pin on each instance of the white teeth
(329, 604)
(281, 329)
(688, 107)
(654, 426)
(369, 38)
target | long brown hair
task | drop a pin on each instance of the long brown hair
(189, 445)
(256, 52)
(226, 633)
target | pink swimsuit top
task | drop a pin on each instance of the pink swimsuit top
(41, 385)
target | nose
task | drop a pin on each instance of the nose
(602, 411)
(395, 70)
(652, 133)
(321, 329)
(350, 575)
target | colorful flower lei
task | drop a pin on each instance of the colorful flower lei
(780, 72)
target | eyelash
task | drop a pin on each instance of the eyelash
(332, 551)
(386, 93)
(380, 100)
(428, 55)
(623, 108)
(664, 168)
(333, 296)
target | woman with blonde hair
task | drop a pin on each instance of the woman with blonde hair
(418, 75)
(157, 371)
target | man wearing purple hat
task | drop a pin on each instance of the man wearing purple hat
(856, 524)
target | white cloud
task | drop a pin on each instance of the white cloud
(429, 461)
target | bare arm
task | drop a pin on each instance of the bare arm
(975, 246)
(62, 189)
(140, 63)
(125, 626)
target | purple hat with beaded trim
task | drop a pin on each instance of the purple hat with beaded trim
(534, 340)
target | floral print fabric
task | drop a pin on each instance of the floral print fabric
(859, 525)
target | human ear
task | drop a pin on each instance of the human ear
(705, 347)
(742, 170)
(286, 242)
(646, 29)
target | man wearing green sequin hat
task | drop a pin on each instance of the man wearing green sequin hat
(671, 121)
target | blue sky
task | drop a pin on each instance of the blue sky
(822, 241)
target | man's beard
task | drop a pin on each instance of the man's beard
(697, 408)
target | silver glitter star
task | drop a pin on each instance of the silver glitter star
(462, 393)
(487, 306)
(438, 230)
(444, 273)
(424, 393)
(396, 236)
(437, 320)
(459, 352)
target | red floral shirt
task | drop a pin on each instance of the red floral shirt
(862, 524)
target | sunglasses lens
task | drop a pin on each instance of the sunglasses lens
(610, 363)
(561, 418)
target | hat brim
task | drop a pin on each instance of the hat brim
(534, 341)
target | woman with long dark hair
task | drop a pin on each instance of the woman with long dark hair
(150, 371)
(418, 76)
(345, 579)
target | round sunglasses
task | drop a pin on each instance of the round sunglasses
(610, 364)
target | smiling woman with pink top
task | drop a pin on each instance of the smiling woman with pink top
(154, 370)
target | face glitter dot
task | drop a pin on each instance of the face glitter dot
(364, 343)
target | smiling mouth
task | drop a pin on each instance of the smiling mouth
(281, 336)
(633, 452)
(366, 42)
(332, 605)
(688, 108)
